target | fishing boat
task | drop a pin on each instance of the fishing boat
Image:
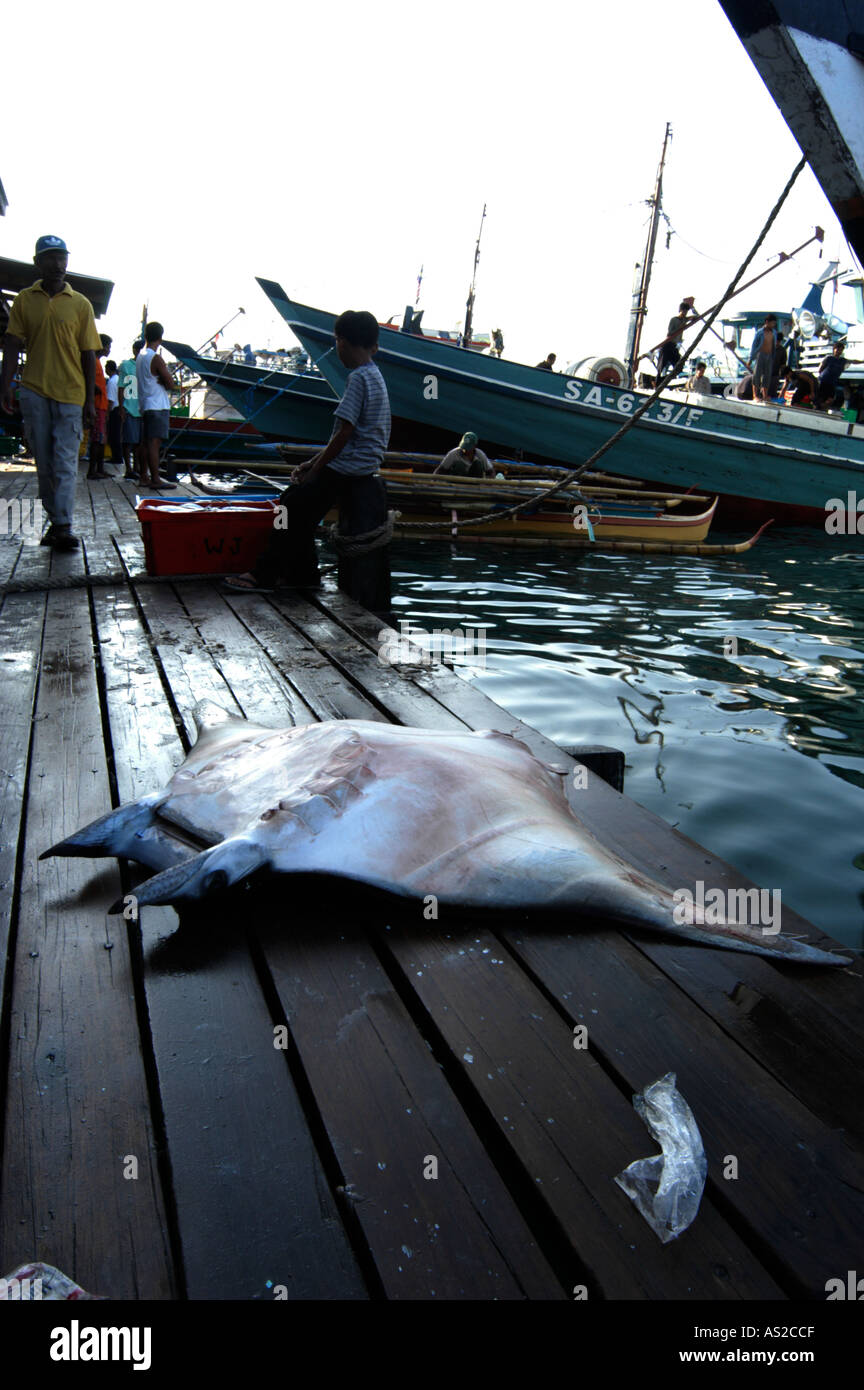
(281, 403)
(770, 455)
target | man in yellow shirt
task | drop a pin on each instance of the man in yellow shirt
(56, 326)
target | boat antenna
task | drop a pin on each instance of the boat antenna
(419, 283)
(469, 307)
(220, 331)
(640, 289)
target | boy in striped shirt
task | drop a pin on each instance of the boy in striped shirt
(344, 472)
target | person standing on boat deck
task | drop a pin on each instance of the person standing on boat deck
(155, 384)
(548, 363)
(778, 371)
(831, 369)
(670, 350)
(99, 430)
(762, 358)
(344, 472)
(790, 335)
(699, 382)
(466, 460)
(56, 325)
(130, 414)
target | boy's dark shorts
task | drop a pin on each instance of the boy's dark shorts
(132, 429)
(155, 424)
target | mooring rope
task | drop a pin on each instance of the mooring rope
(567, 481)
(351, 546)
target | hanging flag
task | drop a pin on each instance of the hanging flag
(419, 278)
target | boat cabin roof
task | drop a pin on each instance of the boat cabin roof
(754, 318)
(17, 275)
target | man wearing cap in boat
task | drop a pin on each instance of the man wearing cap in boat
(56, 326)
(466, 460)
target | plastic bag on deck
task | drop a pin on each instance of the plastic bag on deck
(39, 1283)
(667, 1188)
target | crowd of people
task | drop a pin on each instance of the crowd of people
(773, 371)
(64, 389)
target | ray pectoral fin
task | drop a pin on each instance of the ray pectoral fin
(205, 875)
(118, 833)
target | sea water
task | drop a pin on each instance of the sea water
(733, 685)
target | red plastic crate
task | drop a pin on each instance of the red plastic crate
(212, 535)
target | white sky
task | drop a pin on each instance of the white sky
(337, 147)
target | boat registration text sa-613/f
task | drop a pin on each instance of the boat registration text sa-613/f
(666, 412)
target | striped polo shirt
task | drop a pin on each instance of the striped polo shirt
(366, 405)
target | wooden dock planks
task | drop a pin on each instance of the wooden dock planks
(76, 1099)
(305, 1168)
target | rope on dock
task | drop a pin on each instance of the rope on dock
(349, 547)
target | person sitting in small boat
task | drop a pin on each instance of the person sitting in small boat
(466, 461)
(699, 381)
(548, 363)
(831, 369)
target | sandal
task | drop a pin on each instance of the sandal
(234, 584)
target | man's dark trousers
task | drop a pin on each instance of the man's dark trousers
(291, 557)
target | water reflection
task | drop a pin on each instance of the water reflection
(734, 686)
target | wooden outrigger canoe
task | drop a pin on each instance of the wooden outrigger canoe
(622, 515)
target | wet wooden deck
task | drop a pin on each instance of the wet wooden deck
(304, 1169)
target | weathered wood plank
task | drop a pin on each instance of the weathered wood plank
(21, 623)
(252, 1200)
(798, 1186)
(389, 1110)
(566, 1123)
(258, 686)
(77, 1104)
(324, 689)
(389, 686)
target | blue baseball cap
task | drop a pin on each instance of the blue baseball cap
(50, 243)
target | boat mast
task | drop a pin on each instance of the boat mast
(469, 307)
(640, 291)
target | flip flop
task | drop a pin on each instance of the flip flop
(233, 586)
